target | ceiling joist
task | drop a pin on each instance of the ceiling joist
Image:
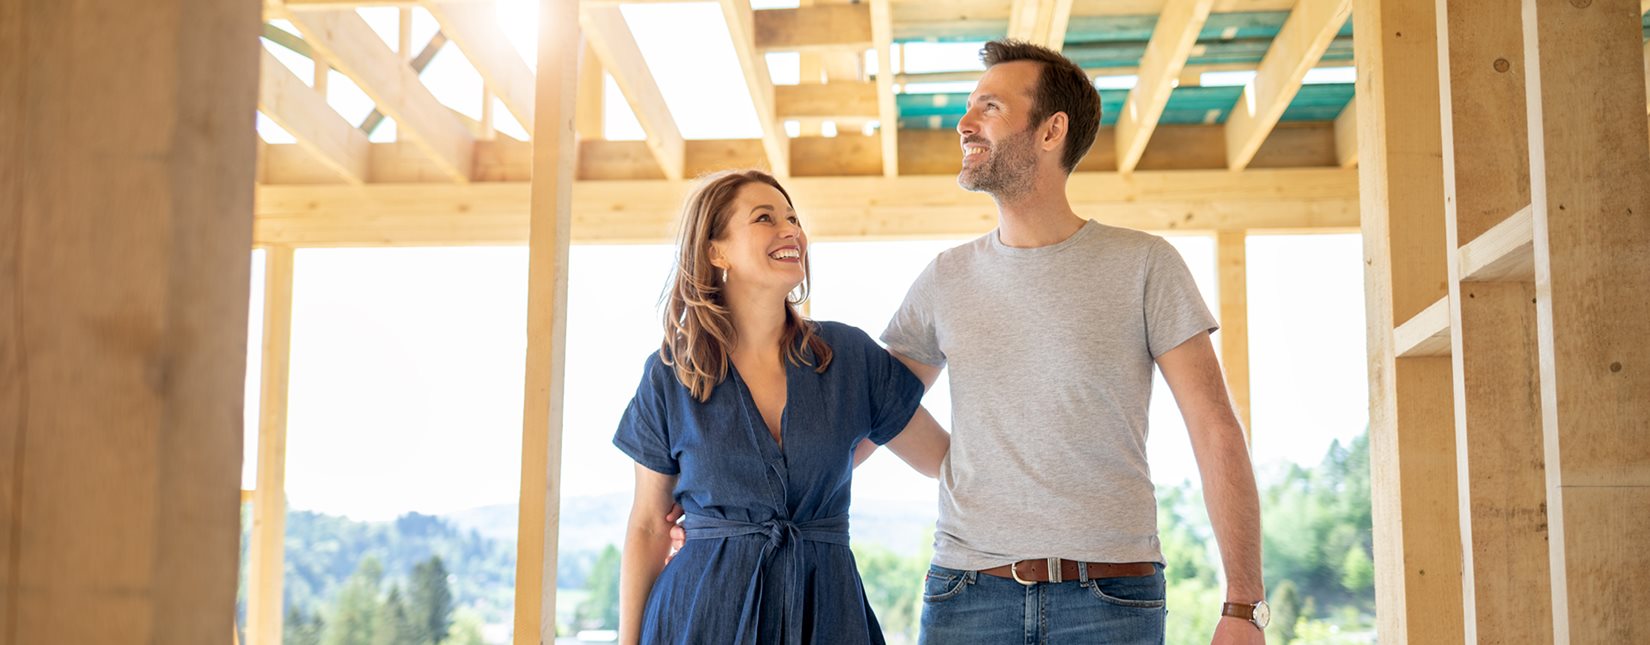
(1296, 50)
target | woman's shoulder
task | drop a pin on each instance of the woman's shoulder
(832, 330)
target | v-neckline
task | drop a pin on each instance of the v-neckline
(748, 398)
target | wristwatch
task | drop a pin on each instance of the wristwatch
(1258, 614)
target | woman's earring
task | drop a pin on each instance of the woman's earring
(724, 276)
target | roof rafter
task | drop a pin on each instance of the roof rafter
(742, 32)
(1346, 135)
(609, 36)
(1041, 22)
(1171, 43)
(350, 44)
(1296, 50)
(303, 112)
(474, 27)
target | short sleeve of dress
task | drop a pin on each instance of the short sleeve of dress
(895, 392)
(643, 433)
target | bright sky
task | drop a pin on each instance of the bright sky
(406, 377)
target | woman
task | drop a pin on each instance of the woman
(749, 416)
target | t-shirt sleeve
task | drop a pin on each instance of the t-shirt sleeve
(894, 391)
(643, 433)
(1175, 311)
(912, 332)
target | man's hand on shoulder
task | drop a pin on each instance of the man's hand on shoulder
(1237, 631)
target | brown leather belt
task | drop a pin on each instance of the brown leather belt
(1029, 572)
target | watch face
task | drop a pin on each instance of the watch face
(1263, 614)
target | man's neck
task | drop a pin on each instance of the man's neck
(1040, 217)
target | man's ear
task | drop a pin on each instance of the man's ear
(1055, 130)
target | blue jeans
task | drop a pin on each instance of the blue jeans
(968, 607)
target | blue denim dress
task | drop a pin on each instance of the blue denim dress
(767, 558)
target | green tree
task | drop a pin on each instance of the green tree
(601, 609)
(893, 586)
(1357, 570)
(299, 630)
(429, 602)
(390, 626)
(1286, 612)
(465, 629)
(354, 616)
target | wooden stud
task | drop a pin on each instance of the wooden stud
(305, 114)
(1591, 209)
(1171, 42)
(346, 40)
(1296, 50)
(473, 26)
(1231, 256)
(608, 34)
(1346, 136)
(1491, 327)
(742, 30)
(125, 188)
(549, 228)
(403, 33)
(590, 116)
(267, 551)
(1411, 425)
(882, 35)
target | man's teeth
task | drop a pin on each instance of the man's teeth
(783, 254)
(969, 152)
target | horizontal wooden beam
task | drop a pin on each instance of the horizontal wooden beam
(826, 101)
(1502, 254)
(816, 28)
(857, 208)
(1427, 334)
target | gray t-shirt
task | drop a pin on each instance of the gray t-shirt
(1050, 352)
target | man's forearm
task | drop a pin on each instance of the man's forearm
(1234, 508)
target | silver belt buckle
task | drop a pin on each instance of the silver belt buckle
(1053, 565)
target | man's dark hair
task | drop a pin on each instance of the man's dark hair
(1061, 87)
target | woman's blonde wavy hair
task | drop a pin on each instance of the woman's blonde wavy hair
(699, 333)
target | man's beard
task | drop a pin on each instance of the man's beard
(1008, 169)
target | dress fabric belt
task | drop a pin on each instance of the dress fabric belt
(783, 540)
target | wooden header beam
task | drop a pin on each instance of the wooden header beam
(907, 207)
(817, 28)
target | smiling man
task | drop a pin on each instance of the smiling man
(1051, 326)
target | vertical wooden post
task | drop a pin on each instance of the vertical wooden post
(1590, 201)
(1411, 425)
(267, 552)
(550, 216)
(1231, 256)
(127, 154)
(1492, 328)
(589, 115)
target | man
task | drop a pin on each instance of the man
(1050, 326)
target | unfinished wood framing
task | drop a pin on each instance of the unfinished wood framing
(1172, 41)
(303, 112)
(1346, 136)
(267, 551)
(1411, 426)
(1041, 22)
(123, 342)
(473, 26)
(1231, 258)
(549, 225)
(817, 28)
(1491, 330)
(1296, 50)
(1589, 203)
(882, 35)
(609, 36)
(352, 47)
(742, 31)
(589, 118)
